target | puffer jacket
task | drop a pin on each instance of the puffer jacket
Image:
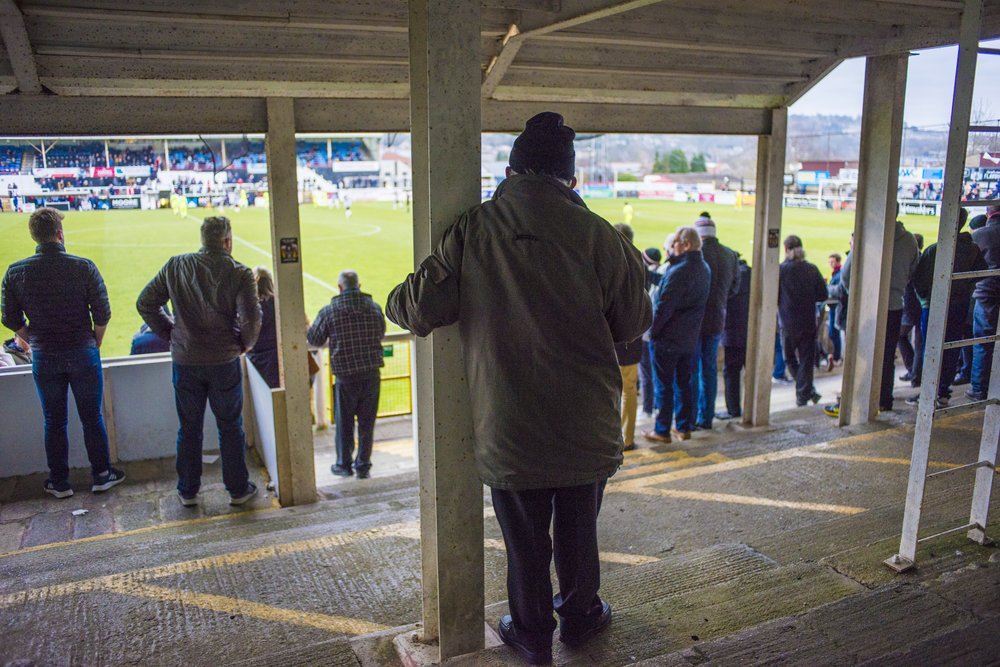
(541, 289)
(216, 311)
(680, 302)
(60, 297)
(968, 257)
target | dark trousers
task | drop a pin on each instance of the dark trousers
(893, 321)
(221, 385)
(356, 396)
(705, 377)
(673, 385)
(799, 348)
(54, 373)
(952, 331)
(646, 379)
(735, 359)
(524, 518)
(984, 323)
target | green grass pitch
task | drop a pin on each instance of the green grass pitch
(130, 246)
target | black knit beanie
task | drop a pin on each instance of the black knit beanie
(545, 146)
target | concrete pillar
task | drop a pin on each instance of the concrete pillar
(874, 230)
(445, 80)
(286, 248)
(767, 255)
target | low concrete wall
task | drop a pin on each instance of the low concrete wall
(139, 411)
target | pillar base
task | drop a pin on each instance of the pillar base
(414, 653)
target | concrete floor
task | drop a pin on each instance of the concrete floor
(736, 533)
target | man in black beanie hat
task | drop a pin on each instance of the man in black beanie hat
(542, 289)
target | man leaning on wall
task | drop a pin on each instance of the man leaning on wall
(542, 289)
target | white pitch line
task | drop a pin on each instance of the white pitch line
(267, 254)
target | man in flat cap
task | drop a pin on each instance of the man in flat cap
(542, 289)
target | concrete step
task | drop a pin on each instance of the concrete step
(949, 621)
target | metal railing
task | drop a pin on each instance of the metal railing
(396, 395)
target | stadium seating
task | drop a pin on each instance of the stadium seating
(10, 159)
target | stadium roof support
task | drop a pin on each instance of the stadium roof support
(18, 46)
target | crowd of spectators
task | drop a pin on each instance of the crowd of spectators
(10, 159)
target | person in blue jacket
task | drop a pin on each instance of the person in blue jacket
(677, 315)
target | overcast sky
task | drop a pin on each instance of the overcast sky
(929, 85)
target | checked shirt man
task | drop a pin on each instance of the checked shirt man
(353, 326)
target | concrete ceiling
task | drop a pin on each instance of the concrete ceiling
(346, 62)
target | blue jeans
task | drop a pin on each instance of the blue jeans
(356, 396)
(672, 370)
(54, 373)
(833, 332)
(705, 377)
(984, 323)
(779, 358)
(222, 386)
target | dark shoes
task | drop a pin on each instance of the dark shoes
(535, 652)
(242, 498)
(341, 471)
(576, 631)
(975, 395)
(63, 490)
(106, 480)
(802, 402)
(726, 416)
(960, 379)
(363, 473)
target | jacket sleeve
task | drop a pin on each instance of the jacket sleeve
(627, 310)
(819, 286)
(319, 331)
(429, 297)
(671, 292)
(248, 311)
(11, 310)
(150, 304)
(734, 289)
(97, 298)
(923, 277)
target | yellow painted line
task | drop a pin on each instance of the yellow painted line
(682, 461)
(633, 485)
(245, 608)
(409, 529)
(607, 556)
(274, 505)
(874, 459)
(750, 500)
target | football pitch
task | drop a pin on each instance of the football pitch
(376, 241)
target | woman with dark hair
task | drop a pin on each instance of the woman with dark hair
(264, 353)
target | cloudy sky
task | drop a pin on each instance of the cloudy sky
(929, 84)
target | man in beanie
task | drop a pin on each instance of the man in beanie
(725, 284)
(542, 289)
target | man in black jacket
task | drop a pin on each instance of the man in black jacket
(59, 304)
(734, 341)
(968, 257)
(800, 288)
(705, 372)
(216, 319)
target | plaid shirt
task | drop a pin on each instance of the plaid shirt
(353, 324)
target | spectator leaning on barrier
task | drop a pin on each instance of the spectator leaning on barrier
(216, 319)
(59, 304)
(353, 326)
(542, 289)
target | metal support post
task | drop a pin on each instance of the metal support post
(947, 235)
(286, 249)
(764, 275)
(445, 113)
(874, 232)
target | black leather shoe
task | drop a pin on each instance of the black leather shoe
(362, 473)
(577, 631)
(535, 655)
(340, 471)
